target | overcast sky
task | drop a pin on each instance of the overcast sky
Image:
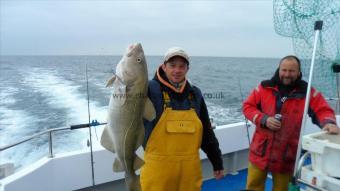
(78, 27)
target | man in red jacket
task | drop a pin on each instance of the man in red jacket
(274, 145)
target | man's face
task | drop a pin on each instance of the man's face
(176, 69)
(289, 71)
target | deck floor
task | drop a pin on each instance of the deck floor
(231, 183)
(237, 182)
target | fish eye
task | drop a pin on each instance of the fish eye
(138, 59)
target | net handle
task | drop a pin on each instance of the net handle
(317, 28)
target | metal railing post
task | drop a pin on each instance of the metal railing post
(50, 145)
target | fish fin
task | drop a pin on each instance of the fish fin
(107, 141)
(149, 110)
(110, 81)
(120, 92)
(117, 166)
(137, 163)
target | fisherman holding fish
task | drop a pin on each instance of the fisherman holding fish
(176, 124)
(181, 127)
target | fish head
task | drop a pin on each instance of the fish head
(132, 68)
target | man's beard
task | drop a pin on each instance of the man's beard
(287, 81)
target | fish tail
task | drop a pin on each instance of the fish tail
(117, 165)
(132, 182)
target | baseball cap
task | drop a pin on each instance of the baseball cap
(175, 51)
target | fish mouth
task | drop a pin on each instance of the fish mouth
(132, 48)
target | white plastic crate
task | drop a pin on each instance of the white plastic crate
(312, 177)
(325, 152)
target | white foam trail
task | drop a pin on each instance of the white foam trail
(15, 125)
(66, 95)
(222, 115)
(6, 95)
(60, 94)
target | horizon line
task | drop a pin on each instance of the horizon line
(121, 55)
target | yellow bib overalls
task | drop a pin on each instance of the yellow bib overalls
(171, 156)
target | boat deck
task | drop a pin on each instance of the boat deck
(231, 183)
(237, 181)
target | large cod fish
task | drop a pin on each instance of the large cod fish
(124, 132)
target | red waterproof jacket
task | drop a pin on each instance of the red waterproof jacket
(275, 151)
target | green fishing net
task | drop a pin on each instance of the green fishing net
(295, 19)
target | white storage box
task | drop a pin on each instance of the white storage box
(325, 152)
(318, 179)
